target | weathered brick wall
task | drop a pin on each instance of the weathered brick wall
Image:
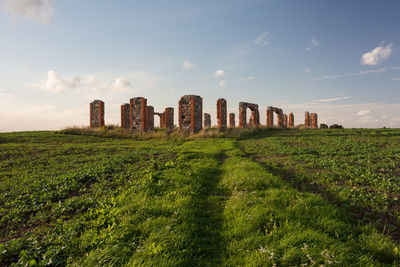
(291, 120)
(285, 120)
(149, 118)
(97, 114)
(207, 120)
(314, 120)
(125, 121)
(232, 123)
(169, 118)
(191, 113)
(307, 121)
(221, 113)
(137, 113)
(255, 114)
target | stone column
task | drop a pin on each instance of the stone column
(270, 116)
(125, 121)
(207, 120)
(169, 118)
(221, 113)
(149, 118)
(191, 113)
(291, 120)
(232, 120)
(137, 113)
(97, 114)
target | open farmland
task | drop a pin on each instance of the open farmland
(269, 197)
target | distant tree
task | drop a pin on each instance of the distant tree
(323, 126)
(336, 126)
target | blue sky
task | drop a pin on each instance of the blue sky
(339, 59)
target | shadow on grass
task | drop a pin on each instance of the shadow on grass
(208, 201)
(384, 222)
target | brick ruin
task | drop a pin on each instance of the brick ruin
(168, 118)
(207, 120)
(138, 113)
(125, 122)
(232, 120)
(270, 117)
(149, 118)
(97, 114)
(137, 116)
(311, 120)
(191, 113)
(255, 114)
(291, 120)
(221, 113)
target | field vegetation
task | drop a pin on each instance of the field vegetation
(261, 197)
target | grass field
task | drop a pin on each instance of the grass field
(265, 198)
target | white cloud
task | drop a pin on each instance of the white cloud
(307, 70)
(41, 10)
(359, 73)
(56, 84)
(246, 79)
(377, 55)
(219, 73)
(262, 39)
(363, 112)
(222, 83)
(395, 79)
(52, 83)
(334, 99)
(188, 65)
(121, 85)
(313, 43)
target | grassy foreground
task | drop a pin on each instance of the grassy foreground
(269, 198)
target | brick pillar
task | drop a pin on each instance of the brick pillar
(242, 114)
(291, 120)
(137, 113)
(314, 120)
(149, 118)
(191, 113)
(307, 119)
(125, 121)
(162, 120)
(97, 114)
(270, 116)
(285, 120)
(232, 120)
(207, 120)
(280, 117)
(169, 118)
(221, 113)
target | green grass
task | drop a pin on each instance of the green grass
(258, 198)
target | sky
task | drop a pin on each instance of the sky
(339, 59)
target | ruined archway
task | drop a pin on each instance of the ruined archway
(161, 116)
(255, 114)
(270, 116)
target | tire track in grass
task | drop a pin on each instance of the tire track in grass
(208, 202)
